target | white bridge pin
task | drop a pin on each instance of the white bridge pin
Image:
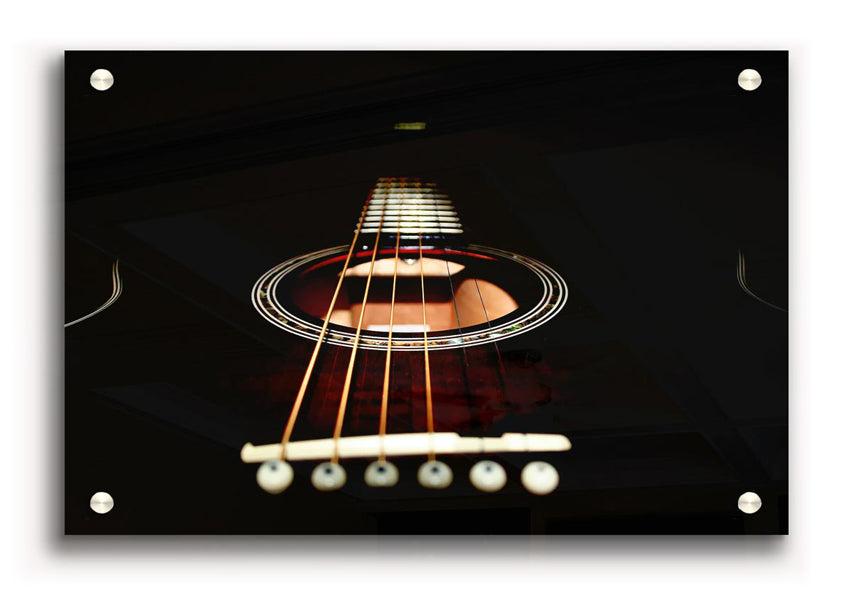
(539, 478)
(488, 476)
(381, 473)
(274, 476)
(434, 474)
(328, 476)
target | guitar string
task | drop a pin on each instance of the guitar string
(429, 402)
(346, 388)
(500, 362)
(429, 405)
(299, 398)
(465, 364)
(502, 373)
(330, 378)
(501, 370)
(385, 394)
(449, 277)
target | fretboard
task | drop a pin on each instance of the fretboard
(407, 207)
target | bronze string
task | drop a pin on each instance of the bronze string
(385, 394)
(465, 365)
(429, 406)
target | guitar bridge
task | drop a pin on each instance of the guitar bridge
(406, 444)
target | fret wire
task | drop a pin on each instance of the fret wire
(417, 213)
(413, 196)
(426, 222)
(395, 214)
(429, 224)
(431, 220)
(414, 231)
(404, 201)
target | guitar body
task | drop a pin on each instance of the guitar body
(576, 297)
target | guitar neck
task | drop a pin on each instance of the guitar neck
(411, 209)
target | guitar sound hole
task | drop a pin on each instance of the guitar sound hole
(452, 297)
(472, 295)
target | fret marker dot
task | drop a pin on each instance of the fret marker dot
(101, 503)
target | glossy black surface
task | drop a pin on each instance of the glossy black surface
(639, 177)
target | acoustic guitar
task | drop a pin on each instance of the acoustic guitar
(405, 323)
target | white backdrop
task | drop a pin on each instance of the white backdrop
(39, 561)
